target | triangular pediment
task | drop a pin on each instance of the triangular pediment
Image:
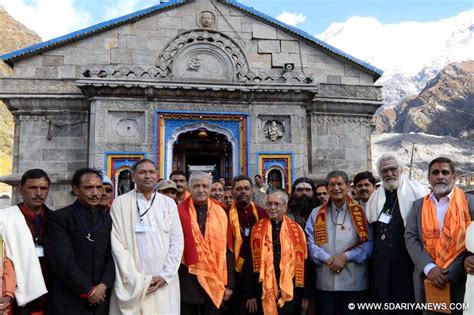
(193, 40)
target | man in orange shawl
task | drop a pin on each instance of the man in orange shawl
(206, 274)
(279, 253)
(243, 215)
(339, 244)
(436, 230)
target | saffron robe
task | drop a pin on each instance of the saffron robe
(129, 295)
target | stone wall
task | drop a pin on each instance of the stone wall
(340, 142)
(50, 134)
(105, 138)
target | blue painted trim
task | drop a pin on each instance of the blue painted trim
(275, 153)
(248, 147)
(107, 153)
(303, 34)
(181, 112)
(155, 135)
(136, 15)
(90, 30)
(200, 112)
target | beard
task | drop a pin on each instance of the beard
(441, 189)
(391, 184)
(303, 205)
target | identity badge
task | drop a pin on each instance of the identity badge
(385, 218)
(141, 228)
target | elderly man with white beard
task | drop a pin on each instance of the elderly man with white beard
(436, 231)
(387, 210)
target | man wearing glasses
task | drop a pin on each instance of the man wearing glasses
(279, 253)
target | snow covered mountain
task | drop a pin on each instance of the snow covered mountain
(409, 53)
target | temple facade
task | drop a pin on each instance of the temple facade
(194, 85)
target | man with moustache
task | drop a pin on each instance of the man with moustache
(243, 215)
(302, 200)
(227, 198)
(364, 184)
(387, 210)
(207, 272)
(435, 233)
(322, 194)
(339, 244)
(279, 253)
(29, 217)
(179, 177)
(147, 245)
(77, 247)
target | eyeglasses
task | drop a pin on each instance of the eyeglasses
(271, 205)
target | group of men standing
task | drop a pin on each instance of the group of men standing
(180, 246)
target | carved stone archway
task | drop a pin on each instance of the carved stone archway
(208, 43)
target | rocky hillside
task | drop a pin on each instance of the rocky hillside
(12, 37)
(425, 148)
(445, 106)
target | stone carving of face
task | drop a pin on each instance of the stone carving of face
(206, 19)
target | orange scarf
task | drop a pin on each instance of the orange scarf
(445, 248)
(293, 255)
(358, 220)
(211, 267)
(235, 225)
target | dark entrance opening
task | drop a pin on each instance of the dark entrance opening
(275, 179)
(203, 150)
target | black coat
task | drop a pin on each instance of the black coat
(78, 264)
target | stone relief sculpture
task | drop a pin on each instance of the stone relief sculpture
(128, 128)
(199, 61)
(273, 130)
(206, 19)
(194, 63)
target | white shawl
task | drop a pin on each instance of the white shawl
(407, 192)
(129, 296)
(469, 295)
(21, 250)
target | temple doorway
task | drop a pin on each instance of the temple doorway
(203, 150)
(275, 179)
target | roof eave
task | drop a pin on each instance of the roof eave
(17, 55)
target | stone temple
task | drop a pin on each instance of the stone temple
(207, 85)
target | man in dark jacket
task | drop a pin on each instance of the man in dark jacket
(78, 250)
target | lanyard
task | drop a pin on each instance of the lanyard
(140, 215)
(37, 223)
(84, 225)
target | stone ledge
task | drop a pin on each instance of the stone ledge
(12, 85)
(15, 178)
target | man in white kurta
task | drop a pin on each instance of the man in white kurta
(147, 245)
